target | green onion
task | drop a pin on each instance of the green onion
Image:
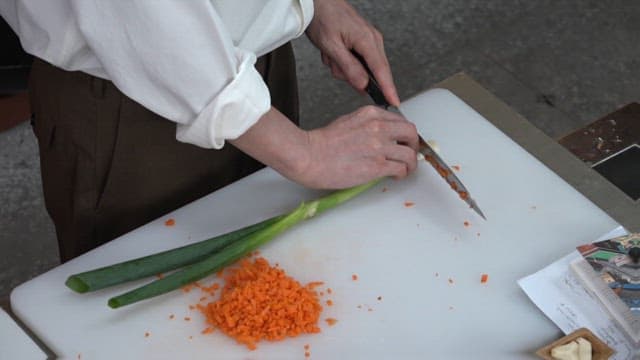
(158, 263)
(237, 249)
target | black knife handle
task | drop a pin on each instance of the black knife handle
(373, 88)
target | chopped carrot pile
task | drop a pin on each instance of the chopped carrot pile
(169, 222)
(484, 278)
(260, 302)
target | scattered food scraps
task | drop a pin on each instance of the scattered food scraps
(484, 278)
(160, 276)
(331, 321)
(260, 302)
(467, 224)
(329, 302)
(455, 167)
(146, 334)
(307, 354)
(478, 234)
(171, 317)
(207, 330)
(384, 189)
(379, 298)
(354, 277)
(436, 274)
(169, 222)
(186, 318)
(329, 291)
(450, 281)
(306, 346)
(409, 204)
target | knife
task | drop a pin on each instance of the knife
(374, 91)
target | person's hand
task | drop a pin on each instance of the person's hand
(366, 144)
(361, 146)
(336, 29)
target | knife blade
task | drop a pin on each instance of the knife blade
(376, 94)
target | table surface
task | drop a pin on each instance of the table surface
(421, 260)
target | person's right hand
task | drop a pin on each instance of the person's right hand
(361, 146)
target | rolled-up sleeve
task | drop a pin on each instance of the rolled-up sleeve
(177, 59)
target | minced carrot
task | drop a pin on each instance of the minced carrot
(307, 354)
(331, 321)
(329, 302)
(484, 278)
(306, 346)
(329, 291)
(208, 330)
(260, 302)
(354, 277)
(170, 222)
(455, 167)
(186, 318)
(408, 203)
(466, 224)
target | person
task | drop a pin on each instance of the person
(143, 106)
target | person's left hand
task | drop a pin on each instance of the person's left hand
(336, 29)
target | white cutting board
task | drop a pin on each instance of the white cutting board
(406, 255)
(15, 343)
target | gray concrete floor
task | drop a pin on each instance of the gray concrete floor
(560, 63)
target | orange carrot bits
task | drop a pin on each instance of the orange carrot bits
(484, 278)
(329, 291)
(466, 224)
(331, 321)
(409, 204)
(455, 167)
(146, 334)
(260, 302)
(169, 222)
(329, 302)
(354, 277)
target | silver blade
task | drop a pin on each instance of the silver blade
(444, 170)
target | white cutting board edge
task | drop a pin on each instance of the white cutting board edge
(15, 343)
(529, 226)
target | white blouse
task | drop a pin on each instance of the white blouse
(190, 61)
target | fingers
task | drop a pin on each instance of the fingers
(371, 48)
(353, 72)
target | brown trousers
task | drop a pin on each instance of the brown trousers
(109, 165)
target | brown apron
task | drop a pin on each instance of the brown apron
(109, 165)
